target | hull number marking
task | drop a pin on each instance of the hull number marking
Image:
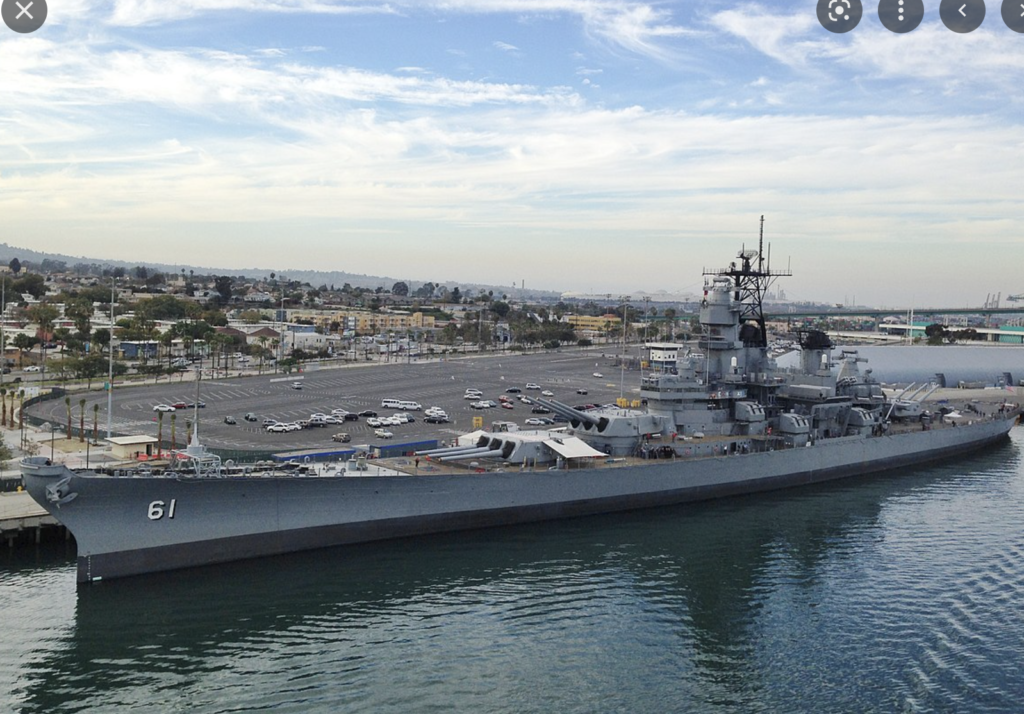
(156, 509)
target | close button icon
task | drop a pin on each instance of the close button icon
(1013, 14)
(24, 16)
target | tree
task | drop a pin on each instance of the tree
(15, 266)
(400, 288)
(3, 408)
(67, 402)
(81, 419)
(935, 333)
(95, 420)
(222, 283)
(500, 308)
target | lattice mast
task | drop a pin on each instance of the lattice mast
(751, 279)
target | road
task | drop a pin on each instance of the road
(353, 388)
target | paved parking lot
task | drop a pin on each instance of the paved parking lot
(353, 388)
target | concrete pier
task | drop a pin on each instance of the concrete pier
(22, 517)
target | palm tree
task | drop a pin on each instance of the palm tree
(174, 418)
(3, 409)
(95, 421)
(160, 433)
(81, 420)
(67, 403)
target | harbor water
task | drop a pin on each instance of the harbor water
(899, 592)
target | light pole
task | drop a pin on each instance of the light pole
(53, 434)
(110, 361)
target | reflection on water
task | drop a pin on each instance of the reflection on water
(895, 593)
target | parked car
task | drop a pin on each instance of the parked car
(163, 408)
(598, 375)
(382, 434)
(277, 428)
(268, 421)
(373, 422)
(230, 420)
(581, 391)
(436, 419)
(533, 421)
(367, 413)
(548, 393)
(507, 405)
(351, 416)
(540, 410)
(180, 405)
(249, 416)
(195, 405)
(342, 436)
(513, 390)
(296, 385)
(531, 385)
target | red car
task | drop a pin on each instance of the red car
(180, 405)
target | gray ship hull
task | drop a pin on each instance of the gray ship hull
(201, 521)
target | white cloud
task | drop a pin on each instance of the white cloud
(931, 52)
(630, 24)
(506, 47)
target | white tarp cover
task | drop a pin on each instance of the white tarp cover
(572, 448)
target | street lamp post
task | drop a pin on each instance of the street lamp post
(53, 435)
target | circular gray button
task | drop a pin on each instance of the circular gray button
(839, 15)
(962, 15)
(901, 15)
(23, 15)
(1013, 14)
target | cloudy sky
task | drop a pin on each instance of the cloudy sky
(605, 146)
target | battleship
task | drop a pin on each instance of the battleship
(718, 420)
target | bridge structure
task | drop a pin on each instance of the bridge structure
(773, 312)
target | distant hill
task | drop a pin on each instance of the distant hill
(316, 278)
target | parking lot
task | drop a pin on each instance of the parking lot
(353, 388)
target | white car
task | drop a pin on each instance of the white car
(31, 368)
(531, 385)
(533, 421)
(331, 419)
(278, 428)
(373, 422)
(163, 408)
(598, 375)
(382, 433)
(472, 395)
(479, 405)
(339, 413)
(548, 393)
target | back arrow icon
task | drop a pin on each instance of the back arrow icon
(962, 10)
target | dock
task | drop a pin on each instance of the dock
(21, 516)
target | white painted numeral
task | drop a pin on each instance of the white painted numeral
(156, 509)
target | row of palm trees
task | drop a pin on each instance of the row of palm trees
(16, 394)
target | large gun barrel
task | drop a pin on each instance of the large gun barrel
(472, 453)
(568, 412)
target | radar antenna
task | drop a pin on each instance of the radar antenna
(751, 279)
